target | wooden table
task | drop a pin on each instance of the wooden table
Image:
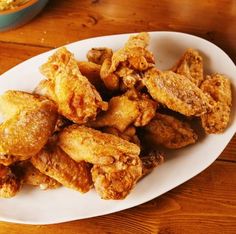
(206, 203)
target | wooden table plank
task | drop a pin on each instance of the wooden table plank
(205, 204)
(62, 22)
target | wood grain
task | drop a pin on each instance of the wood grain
(205, 204)
(62, 21)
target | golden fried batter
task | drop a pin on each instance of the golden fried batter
(176, 92)
(9, 184)
(129, 134)
(117, 166)
(111, 80)
(122, 71)
(191, 66)
(170, 132)
(98, 55)
(151, 161)
(76, 98)
(217, 119)
(132, 107)
(30, 121)
(55, 163)
(32, 176)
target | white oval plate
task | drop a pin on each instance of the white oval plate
(33, 206)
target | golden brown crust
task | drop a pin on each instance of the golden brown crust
(176, 92)
(217, 119)
(9, 184)
(117, 166)
(170, 132)
(122, 70)
(55, 163)
(190, 65)
(76, 98)
(31, 176)
(98, 55)
(30, 121)
(129, 108)
(150, 161)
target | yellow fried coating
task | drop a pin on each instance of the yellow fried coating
(55, 163)
(76, 98)
(131, 107)
(9, 184)
(190, 65)
(31, 176)
(129, 134)
(170, 132)
(217, 119)
(98, 55)
(123, 69)
(29, 122)
(176, 92)
(117, 166)
(150, 161)
(7, 160)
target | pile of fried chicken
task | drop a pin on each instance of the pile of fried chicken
(99, 123)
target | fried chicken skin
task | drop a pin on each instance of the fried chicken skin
(55, 163)
(129, 134)
(150, 161)
(76, 98)
(176, 92)
(9, 184)
(116, 163)
(219, 88)
(124, 67)
(190, 65)
(29, 175)
(131, 107)
(169, 132)
(98, 55)
(29, 122)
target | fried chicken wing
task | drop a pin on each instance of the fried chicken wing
(123, 69)
(76, 98)
(29, 122)
(217, 119)
(168, 131)
(98, 55)
(29, 175)
(9, 184)
(117, 166)
(132, 107)
(55, 163)
(191, 66)
(176, 92)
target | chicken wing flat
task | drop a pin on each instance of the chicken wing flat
(218, 87)
(176, 92)
(76, 97)
(29, 122)
(117, 166)
(131, 107)
(29, 175)
(124, 67)
(9, 184)
(55, 163)
(191, 66)
(98, 55)
(169, 132)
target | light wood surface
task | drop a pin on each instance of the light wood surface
(206, 203)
